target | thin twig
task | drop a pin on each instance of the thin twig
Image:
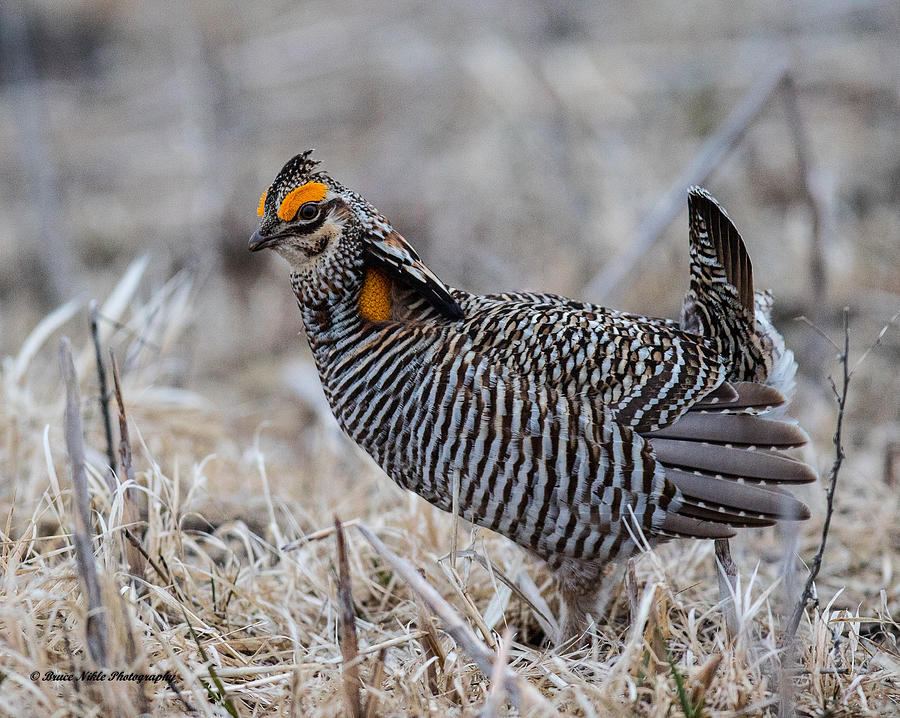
(163, 574)
(818, 330)
(347, 627)
(841, 396)
(727, 573)
(104, 402)
(316, 536)
(714, 150)
(877, 343)
(84, 553)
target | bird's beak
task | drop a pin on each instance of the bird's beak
(258, 241)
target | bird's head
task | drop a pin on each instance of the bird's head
(315, 223)
(304, 213)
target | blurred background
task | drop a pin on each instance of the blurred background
(517, 146)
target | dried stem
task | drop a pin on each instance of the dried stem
(703, 679)
(377, 678)
(786, 699)
(543, 616)
(104, 401)
(131, 653)
(347, 627)
(841, 398)
(124, 442)
(134, 554)
(84, 552)
(432, 646)
(316, 536)
(493, 702)
(631, 587)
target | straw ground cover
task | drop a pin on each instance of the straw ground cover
(199, 609)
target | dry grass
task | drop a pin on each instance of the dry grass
(243, 627)
(517, 149)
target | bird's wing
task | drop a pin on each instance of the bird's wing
(645, 371)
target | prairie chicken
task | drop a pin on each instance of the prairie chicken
(572, 429)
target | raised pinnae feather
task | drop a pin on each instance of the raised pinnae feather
(398, 259)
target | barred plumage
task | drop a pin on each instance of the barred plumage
(573, 429)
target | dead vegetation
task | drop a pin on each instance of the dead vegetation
(228, 618)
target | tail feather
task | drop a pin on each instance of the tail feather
(733, 429)
(749, 396)
(722, 456)
(724, 394)
(713, 235)
(721, 272)
(751, 464)
(740, 520)
(720, 303)
(681, 526)
(742, 500)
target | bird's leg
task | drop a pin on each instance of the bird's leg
(581, 586)
(587, 588)
(573, 620)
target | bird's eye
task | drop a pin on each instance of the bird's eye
(308, 211)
